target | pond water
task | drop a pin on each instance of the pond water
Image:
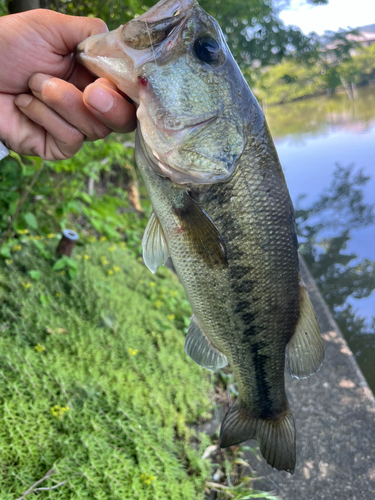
(313, 136)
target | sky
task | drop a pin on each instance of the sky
(337, 14)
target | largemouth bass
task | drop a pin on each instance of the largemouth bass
(221, 211)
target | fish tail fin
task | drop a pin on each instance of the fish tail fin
(276, 437)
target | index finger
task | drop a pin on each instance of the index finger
(104, 101)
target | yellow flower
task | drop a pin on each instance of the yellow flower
(22, 231)
(152, 283)
(9, 261)
(39, 348)
(171, 317)
(62, 273)
(86, 257)
(38, 237)
(91, 239)
(16, 248)
(59, 411)
(51, 235)
(172, 293)
(133, 352)
(26, 285)
(116, 269)
(147, 478)
(158, 303)
(113, 247)
(58, 294)
(103, 238)
(31, 237)
(110, 272)
(123, 244)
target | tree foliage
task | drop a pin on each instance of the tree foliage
(323, 69)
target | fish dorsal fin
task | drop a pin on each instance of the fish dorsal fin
(200, 349)
(305, 350)
(155, 248)
(202, 235)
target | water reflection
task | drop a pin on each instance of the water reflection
(322, 115)
(327, 149)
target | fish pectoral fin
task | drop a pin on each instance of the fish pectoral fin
(276, 437)
(155, 248)
(305, 350)
(200, 349)
(201, 233)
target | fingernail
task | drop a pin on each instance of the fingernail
(99, 99)
(22, 101)
(38, 82)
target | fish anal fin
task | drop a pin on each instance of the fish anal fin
(276, 437)
(201, 233)
(305, 350)
(155, 248)
(200, 349)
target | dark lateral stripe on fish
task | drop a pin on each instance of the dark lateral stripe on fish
(238, 272)
(241, 306)
(262, 398)
(243, 286)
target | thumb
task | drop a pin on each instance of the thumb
(64, 32)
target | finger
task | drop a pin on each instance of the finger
(62, 140)
(66, 100)
(64, 32)
(104, 101)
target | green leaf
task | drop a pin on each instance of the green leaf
(5, 252)
(13, 206)
(97, 224)
(44, 299)
(59, 264)
(39, 245)
(72, 273)
(35, 275)
(71, 262)
(30, 220)
(111, 233)
(85, 197)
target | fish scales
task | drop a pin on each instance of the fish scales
(244, 298)
(221, 210)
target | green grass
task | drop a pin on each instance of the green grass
(110, 348)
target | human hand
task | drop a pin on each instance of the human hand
(66, 105)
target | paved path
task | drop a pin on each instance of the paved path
(335, 421)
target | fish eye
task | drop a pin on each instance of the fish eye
(207, 49)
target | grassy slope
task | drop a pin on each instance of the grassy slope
(125, 434)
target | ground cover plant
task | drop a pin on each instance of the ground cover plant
(95, 384)
(94, 380)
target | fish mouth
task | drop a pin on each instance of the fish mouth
(120, 54)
